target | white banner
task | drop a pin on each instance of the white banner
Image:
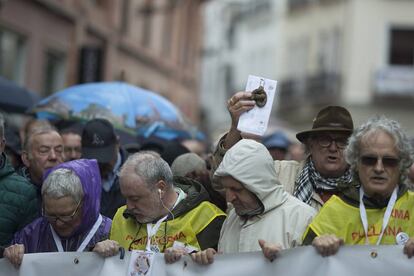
(350, 260)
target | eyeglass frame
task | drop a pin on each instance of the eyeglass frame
(341, 145)
(390, 161)
(66, 219)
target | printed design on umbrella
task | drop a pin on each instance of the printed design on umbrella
(128, 107)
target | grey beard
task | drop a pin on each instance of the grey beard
(252, 212)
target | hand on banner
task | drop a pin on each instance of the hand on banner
(409, 248)
(171, 255)
(14, 254)
(204, 257)
(327, 245)
(106, 248)
(270, 250)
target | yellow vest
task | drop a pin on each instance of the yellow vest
(133, 236)
(343, 220)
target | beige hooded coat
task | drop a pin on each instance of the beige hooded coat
(284, 219)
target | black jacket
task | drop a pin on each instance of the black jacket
(113, 199)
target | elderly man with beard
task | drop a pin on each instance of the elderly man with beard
(162, 211)
(376, 208)
(316, 179)
(263, 214)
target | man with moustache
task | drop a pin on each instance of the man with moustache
(378, 204)
(162, 211)
(264, 216)
(316, 179)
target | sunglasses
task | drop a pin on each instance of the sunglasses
(371, 161)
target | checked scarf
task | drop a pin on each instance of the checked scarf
(310, 180)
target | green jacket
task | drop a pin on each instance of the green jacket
(18, 201)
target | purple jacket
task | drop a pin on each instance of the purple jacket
(37, 236)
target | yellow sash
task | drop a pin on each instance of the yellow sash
(343, 220)
(183, 228)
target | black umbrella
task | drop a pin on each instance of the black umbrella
(14, 98)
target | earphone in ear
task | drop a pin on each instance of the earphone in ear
(159, 192)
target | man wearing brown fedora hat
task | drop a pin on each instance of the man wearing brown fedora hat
(316, 179)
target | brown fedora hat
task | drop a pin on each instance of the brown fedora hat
(331, 118)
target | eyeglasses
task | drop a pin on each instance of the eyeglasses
(387, 161)
(326, 141)
(64, 219)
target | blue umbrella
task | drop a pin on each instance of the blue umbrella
(128, 107)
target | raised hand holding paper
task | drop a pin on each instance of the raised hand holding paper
(255, 121)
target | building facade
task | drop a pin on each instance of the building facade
(359, 54)
(354, 53)
(242, 38)
(47, 45)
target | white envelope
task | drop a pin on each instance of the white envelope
(255, 121)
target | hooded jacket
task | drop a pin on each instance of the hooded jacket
(38, 237)
(18, 201)
(195, 222)
(284, 218)
(287, 171)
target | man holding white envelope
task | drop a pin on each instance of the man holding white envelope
(316, 179)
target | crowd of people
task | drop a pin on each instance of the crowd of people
(78, 188)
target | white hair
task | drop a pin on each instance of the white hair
(63, 182)
(394, 129)
(150, 166)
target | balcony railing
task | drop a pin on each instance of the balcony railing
(395, 81)
(320, 89)
(298, 5)
(294, 5)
